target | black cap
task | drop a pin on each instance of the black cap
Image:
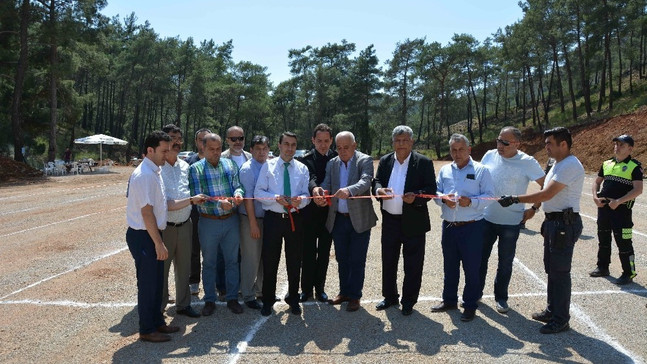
(625, 139)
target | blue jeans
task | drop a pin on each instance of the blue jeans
(507, 235)
(559, 241)
(223, 234)
(462, 243)
(350, 251)
(150, 280)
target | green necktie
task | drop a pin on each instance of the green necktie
(287, 191)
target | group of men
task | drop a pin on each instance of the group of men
(246, 206)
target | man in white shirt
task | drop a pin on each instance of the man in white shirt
(512, 170)
(282, 188)
(236, 143)
(561, 228)
(179, 229)
(146, 214)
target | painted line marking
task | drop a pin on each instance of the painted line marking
(61, 203)
(65, 272)
(595, 219)
(584, 318)
(60, 222)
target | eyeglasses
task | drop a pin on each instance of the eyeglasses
(177, 139)
(237, 139)
(504, 142)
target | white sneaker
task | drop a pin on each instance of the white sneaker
(502, 306)
(195, 288)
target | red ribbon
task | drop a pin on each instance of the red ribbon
(289, 208)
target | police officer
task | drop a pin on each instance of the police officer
(317, 240)
(623, 182)
(561, 228)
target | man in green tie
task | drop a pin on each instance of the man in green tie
(282, 188)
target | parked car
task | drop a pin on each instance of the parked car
(299, 153)
(270, 155)
(184, 155)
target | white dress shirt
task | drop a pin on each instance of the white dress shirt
(396, 183)
(176, 187)
(270, 183)
(146, 187)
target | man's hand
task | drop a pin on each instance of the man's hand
(254, 231)
(226, 205)
(238, 200)
(409, 197)
(161, 251)
(613, 204)
(449, 200)
(385, 193)
(199, 199)
(318, 194)
(295, 201)
(527, 215)
(342, 193)
(464, 201)
(506, 201)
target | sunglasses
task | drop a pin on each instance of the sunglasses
(505, 143)
(237, 139)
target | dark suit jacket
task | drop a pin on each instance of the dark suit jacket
(421, 178)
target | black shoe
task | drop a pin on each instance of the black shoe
(188, 311)
(234, 306)
(553, 328)
(208, 308)
(468, 315)
(295, 309)
(599, 272)
(266, 310)
(543, 316)
(385, 304)
(624, 279)
(407, 309)
(254, 305)
(303, 297)
(321, 296)
(443, 306)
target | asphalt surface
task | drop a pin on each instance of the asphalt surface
(68, 294)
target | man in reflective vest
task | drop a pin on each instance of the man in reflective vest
(623, 182)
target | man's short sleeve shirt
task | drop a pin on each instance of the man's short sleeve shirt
(146, 187)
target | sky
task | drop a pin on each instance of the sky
(264, 31)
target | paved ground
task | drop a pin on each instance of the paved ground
(68, 294)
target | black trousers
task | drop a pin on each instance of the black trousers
(196, 266)
(316, 250)
(276, 228)
(413, 254)
(619, 223)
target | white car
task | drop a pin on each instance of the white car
(184, 155)
(300, 153)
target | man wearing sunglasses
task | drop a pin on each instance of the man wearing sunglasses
(512, 170)
(236, 143)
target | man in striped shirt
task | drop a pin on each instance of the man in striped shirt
(218, 226)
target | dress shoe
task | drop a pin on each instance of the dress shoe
(543, 316)
(166, 329)
(502, 306)
(188, 311)
(154, 337)
(321, 296)
(339, 299)
(295, 309)
(599, 272)
(353, 305)
(303, 297)
(234, 306)
(266, 310)
(276, 298)
(208, 308)
(553, 328)
(443, 306)
(407, 310)
(254, 305)
(624, 279)
(468, 315)
(384, 304)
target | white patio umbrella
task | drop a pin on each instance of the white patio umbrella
(100, 139)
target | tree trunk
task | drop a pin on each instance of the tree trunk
(53, 100)
(619, 63)
(570, 81)
(586, 90)
(603, 78)
(560, 90)
(533, 100)
(19, 81)
(607, 44)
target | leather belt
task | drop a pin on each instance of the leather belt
(550, 216)
(216, 217)
(458, 223)
(283, 215)
(177, 224)
(344, 213)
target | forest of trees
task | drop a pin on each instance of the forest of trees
(67, 71)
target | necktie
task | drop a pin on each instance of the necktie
(287, 191)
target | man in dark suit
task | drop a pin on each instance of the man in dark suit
(401, 175)
(349, 220)
(317, 240)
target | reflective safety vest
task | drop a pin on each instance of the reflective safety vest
(618, 177)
